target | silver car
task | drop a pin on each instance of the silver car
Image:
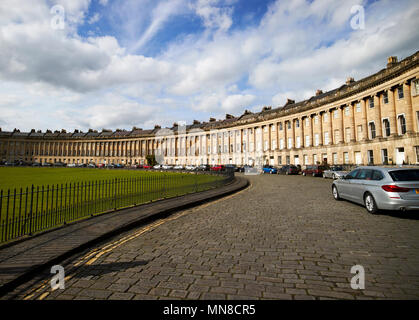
(380, 188)
(335, 172)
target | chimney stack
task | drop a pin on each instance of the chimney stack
(391, 61)
(349, 80)
(319, 92)
(212, 120)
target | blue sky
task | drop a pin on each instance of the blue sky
(125, 63)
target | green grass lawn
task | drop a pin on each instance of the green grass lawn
(22, 177)
(68, 194)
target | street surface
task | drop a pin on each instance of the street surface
(285, 237)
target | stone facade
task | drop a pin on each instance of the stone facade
(371, 121)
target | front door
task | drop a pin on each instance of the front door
(358, 158)
(399, 156)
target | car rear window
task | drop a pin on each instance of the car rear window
(405, 175)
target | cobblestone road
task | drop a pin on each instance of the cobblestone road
(282, 238)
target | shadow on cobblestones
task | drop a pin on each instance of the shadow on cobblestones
(410, 215)
(104, 268)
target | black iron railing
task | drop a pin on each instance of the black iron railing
(38, 208)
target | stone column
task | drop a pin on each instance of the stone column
(392, 111)
(364, 120)
(378, 123)
(331, 132)
(410, 116)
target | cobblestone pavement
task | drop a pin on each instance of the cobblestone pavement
(285, 237)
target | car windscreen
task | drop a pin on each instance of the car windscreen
(405, 175)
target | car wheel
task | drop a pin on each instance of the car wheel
(370, 203)
(335, 193)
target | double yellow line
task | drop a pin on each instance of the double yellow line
(93, 255)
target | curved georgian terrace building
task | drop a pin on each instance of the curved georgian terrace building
(371, 121)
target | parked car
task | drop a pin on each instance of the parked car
(203, 167)
(288, 169)
(270, 170)
(81, 165)
(190, 167)
(335, 172)
(36, 164)
(157, 166)
(315, 171)
(59, 164)
(146, 166)
(250, 170)
(166, 167)
(380, 188)
(110, 166)
(219, 167)
(101, 165)
(178, 167)
(231, 167)
(91, 165)
(119, 166)
(47, 164)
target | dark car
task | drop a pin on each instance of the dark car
(36, 164)
(59, 164)
(230, 167)
(288, 169)
(315, 171)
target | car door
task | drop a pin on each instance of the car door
(360, 184)
(344, 185)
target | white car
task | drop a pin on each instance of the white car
(178, 167)
(166, 167)
(190, 168)
(71, 165)
(157, 166)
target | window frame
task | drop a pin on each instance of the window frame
(400, 91)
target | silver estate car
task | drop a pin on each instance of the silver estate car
(380, 188)
(335, 172)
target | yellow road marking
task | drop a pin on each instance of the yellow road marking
(109, 247)
(44, 295)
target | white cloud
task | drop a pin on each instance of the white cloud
(213, 17)
(298, 47)
(95, 18)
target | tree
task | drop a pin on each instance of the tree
(151, 160)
